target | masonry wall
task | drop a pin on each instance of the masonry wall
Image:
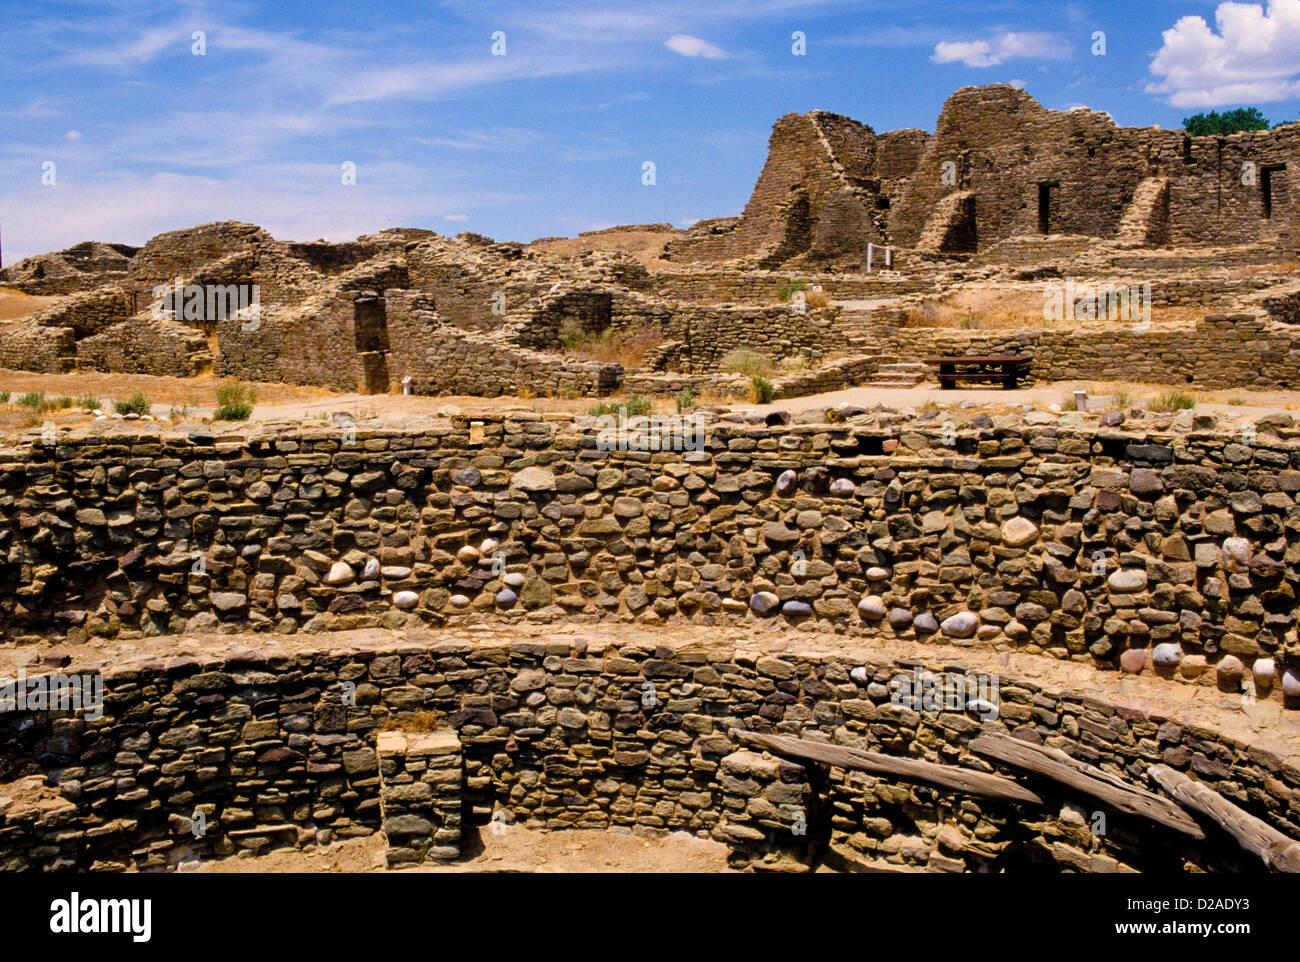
(25, 346)
(1079, 543)
(815, 191)
(1222, 351)
(275, 750)
(145, 347)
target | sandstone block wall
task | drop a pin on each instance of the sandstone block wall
(420, 777)
(25, 346)
(1222, 351)
(86, 313)
(145, 347)
(816, 192)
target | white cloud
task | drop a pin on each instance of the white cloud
(73, 135)
(688, 46)
(1001, 48)
(1253, 56)
(456, 217)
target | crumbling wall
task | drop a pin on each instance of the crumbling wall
(816, 196)
(139, 346)
(82, 266)
(85, 313)
(25, 346)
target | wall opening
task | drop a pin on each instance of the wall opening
(370, 330)
(1045, 207)
(1266, 177)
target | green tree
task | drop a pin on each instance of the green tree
(1229, 122)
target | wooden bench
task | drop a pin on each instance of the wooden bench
(1004, 369)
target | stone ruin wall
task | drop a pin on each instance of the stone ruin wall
(1140, 185)
(562, 734)
(1004, 145)
(805, 198)
(299, 532)
(1222, 351)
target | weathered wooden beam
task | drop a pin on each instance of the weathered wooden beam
(1255, 835)
(907, 769)
(1108, 789)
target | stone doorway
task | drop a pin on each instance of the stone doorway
(370, 329)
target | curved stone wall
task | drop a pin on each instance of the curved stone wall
(1070, 538)
(275, 745)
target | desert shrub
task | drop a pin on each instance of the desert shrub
(788, 288)
(137, 403)
(744, 361)
(634, 405)
(1120, 400)
(793, 364)
(4, 397)
(33, 399)
(234, 401)
(60, 403)
(628, 347)
(817, 298)
(760, 389)
(89, 402)
(685, 400)
(1172, 401)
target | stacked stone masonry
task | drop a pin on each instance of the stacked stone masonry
(206, 756)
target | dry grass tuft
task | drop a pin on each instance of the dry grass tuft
(628, 348)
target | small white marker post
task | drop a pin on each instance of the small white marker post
(870, 247)
(889, 257)
(406, 384)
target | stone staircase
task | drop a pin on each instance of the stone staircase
(898, 374)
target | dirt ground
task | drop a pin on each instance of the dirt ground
(193, 399)
(15, 304)
(514, 849)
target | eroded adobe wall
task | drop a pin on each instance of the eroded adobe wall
(274, 748)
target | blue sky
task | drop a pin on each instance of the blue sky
(549, 138)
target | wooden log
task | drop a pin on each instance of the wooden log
(906, 769)
(1255, 835)
(1121, 795)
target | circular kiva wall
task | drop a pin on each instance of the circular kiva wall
(238, 748)
(1171, 550)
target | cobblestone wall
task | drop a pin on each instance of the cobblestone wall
(1083, 542)
(207, 755)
